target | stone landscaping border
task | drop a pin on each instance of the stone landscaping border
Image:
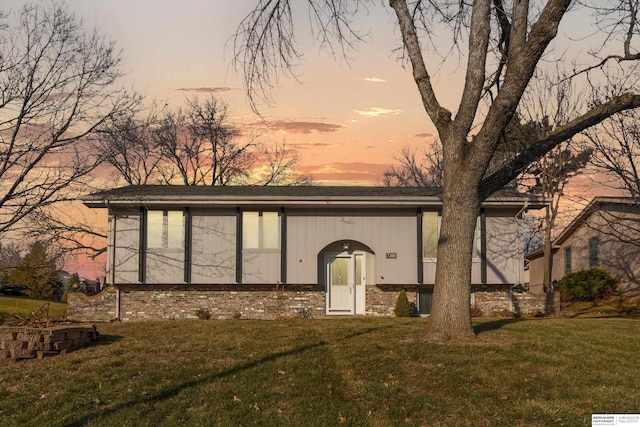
(25, 342)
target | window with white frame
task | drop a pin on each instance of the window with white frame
(165, 229)
(431, 221)
(260, 230)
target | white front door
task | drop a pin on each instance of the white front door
(345, 283)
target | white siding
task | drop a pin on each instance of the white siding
(260, 267)
(165, 266)
(382, 231)
(126, 248)
(505, 262)
(213, 247)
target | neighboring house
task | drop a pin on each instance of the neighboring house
(265, 252)
(606, 234)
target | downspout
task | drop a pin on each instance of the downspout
(519, 223)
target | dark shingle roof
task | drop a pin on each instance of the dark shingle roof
(169, 194)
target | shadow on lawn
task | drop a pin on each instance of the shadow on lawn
(176, 389)
(494, 324)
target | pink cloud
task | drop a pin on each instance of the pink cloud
(292, 126)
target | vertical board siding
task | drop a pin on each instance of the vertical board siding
(259, 267)
(126, 254)
(505, 258)
(111, 235)
(165, 266)
(213, 247)
(382, 231)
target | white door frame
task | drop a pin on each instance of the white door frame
(351, 299)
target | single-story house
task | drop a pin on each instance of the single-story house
(265, 252)
(605, 234)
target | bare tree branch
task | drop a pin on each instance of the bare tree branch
(56, 95)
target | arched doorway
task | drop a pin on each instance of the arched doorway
(345, 277)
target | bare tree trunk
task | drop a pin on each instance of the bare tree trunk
(451, 297)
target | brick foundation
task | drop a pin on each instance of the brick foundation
(183, 303)
(381, 302)
(492, 300)
(146, 302)
(97, 308)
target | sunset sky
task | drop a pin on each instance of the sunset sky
(346, 119)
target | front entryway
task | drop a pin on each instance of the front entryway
(346, 281)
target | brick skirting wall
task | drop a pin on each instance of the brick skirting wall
(498, 300)
(147, 302)
(381, 301)
(97, 308)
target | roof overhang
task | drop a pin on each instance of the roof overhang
(350, 197)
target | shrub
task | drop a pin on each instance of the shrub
(203, 314)
(587, 285)
(403, 308)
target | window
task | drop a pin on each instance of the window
(431, 232)
(260, 230)
(593, 252)
(567, 260)
(165, 229)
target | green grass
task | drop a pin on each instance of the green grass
(25, 306)
(607, 308)
(346, 371)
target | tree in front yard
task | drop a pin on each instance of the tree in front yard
(502, 47)
(57, 91)
(38, 270)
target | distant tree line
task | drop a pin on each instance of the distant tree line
(39, 270)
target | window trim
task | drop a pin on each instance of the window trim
(166, 235)
(262, 236)
(476, 255)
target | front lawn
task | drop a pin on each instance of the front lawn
(344, 371)
(24, 307)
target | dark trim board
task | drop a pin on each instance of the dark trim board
(483, 246)
(142, 246)
(420, 253)
(188, 244)
(283, 246)
(239, 246)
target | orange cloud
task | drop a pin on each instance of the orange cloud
(207, 89)
(423, 135)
